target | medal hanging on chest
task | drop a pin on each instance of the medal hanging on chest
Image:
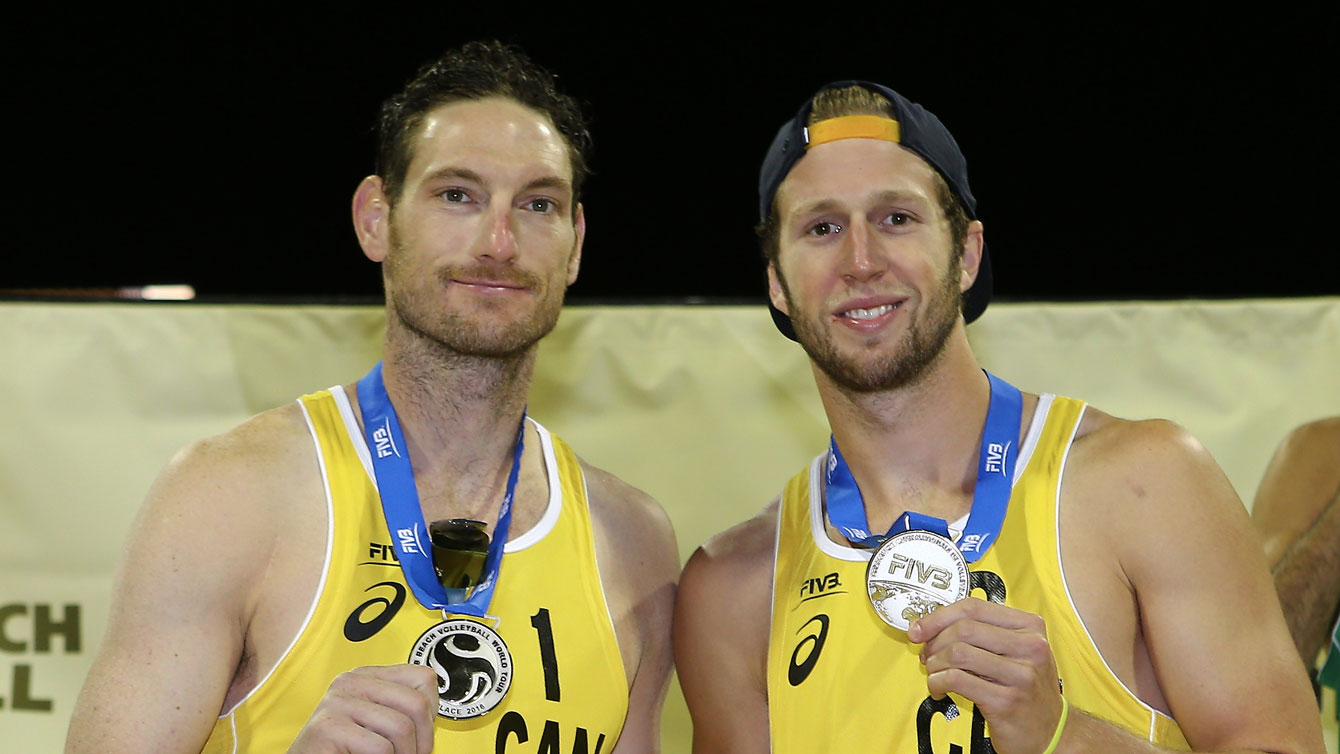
(456, 572)
(916, 567)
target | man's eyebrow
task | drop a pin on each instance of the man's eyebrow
(552, 182)
(454, 173)
(549, 182)
(900, 196)
(817, 207)
(820, 206)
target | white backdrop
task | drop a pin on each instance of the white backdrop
(706, 408)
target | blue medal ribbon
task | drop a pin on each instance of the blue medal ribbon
(991, 496)
(404, 518)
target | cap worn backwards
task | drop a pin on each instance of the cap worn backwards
(912, 127)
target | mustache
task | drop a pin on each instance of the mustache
(497, 273)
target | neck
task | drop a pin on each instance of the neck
(459, 413)
(914, 447)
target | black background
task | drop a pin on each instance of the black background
(1116, 152)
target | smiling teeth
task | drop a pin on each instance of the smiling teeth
(868, 313)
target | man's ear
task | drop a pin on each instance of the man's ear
(973, 243)
(372, 218)
(776, 291)
(575, 261)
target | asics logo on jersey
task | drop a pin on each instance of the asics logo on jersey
(995, 457)
(813, 644)
(381, 437)
(360, 626)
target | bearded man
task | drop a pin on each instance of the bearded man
(407, 563)
(968, 568)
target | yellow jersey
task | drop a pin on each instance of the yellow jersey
(568, 689)
(842, 680)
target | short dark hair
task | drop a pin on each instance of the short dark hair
(858, 100)
(476, 71)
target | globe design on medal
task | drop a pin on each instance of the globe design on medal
(472, 663)
(912, 574)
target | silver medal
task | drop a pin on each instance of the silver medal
(913, 573)
(473, 666)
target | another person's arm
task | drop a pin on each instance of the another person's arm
(1297, 511)
(721, 638)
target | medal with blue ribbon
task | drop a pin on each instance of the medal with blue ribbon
(916, 567)
(452, 648)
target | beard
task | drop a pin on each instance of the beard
(907, 362)
(493, 332)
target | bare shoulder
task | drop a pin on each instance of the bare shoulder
(241, 487)
(251, 470)
(1141, 454)
(1312, 448)
(189, 585)
(728, 580)
(1301, 480)
(619, 506)
(1106, 434)
(1150, 479)
(742, 553)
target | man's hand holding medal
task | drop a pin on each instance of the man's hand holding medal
(998, 658)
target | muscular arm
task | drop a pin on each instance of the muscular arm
(639, 565)
(184, 592)
(1163, 565)
(1207, 611)
(1297, 511)
(721, 638)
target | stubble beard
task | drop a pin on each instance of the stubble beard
(421, 312)
(905, 364)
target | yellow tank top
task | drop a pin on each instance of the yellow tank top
(842, 680)
(568, 691)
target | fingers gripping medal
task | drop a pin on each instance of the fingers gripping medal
(912, 574)
(472, 662)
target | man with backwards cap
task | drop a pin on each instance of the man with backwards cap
(928, 584)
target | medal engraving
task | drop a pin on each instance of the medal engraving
(473, 666)
(912, 574)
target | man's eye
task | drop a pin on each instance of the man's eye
(824, 229)
(455, 195)
(543, 206)
(898, 218)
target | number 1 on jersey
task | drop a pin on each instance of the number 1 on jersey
(548, 660)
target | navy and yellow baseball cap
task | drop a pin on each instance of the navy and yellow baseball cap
(914, 128)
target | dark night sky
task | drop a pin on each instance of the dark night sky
(1115, 153)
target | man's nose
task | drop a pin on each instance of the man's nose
(499, 243)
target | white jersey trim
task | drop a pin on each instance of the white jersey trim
(845, 552)
(1060, 482)
(355, 434)
(320, 587)
(515, 543)
(555, 505)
